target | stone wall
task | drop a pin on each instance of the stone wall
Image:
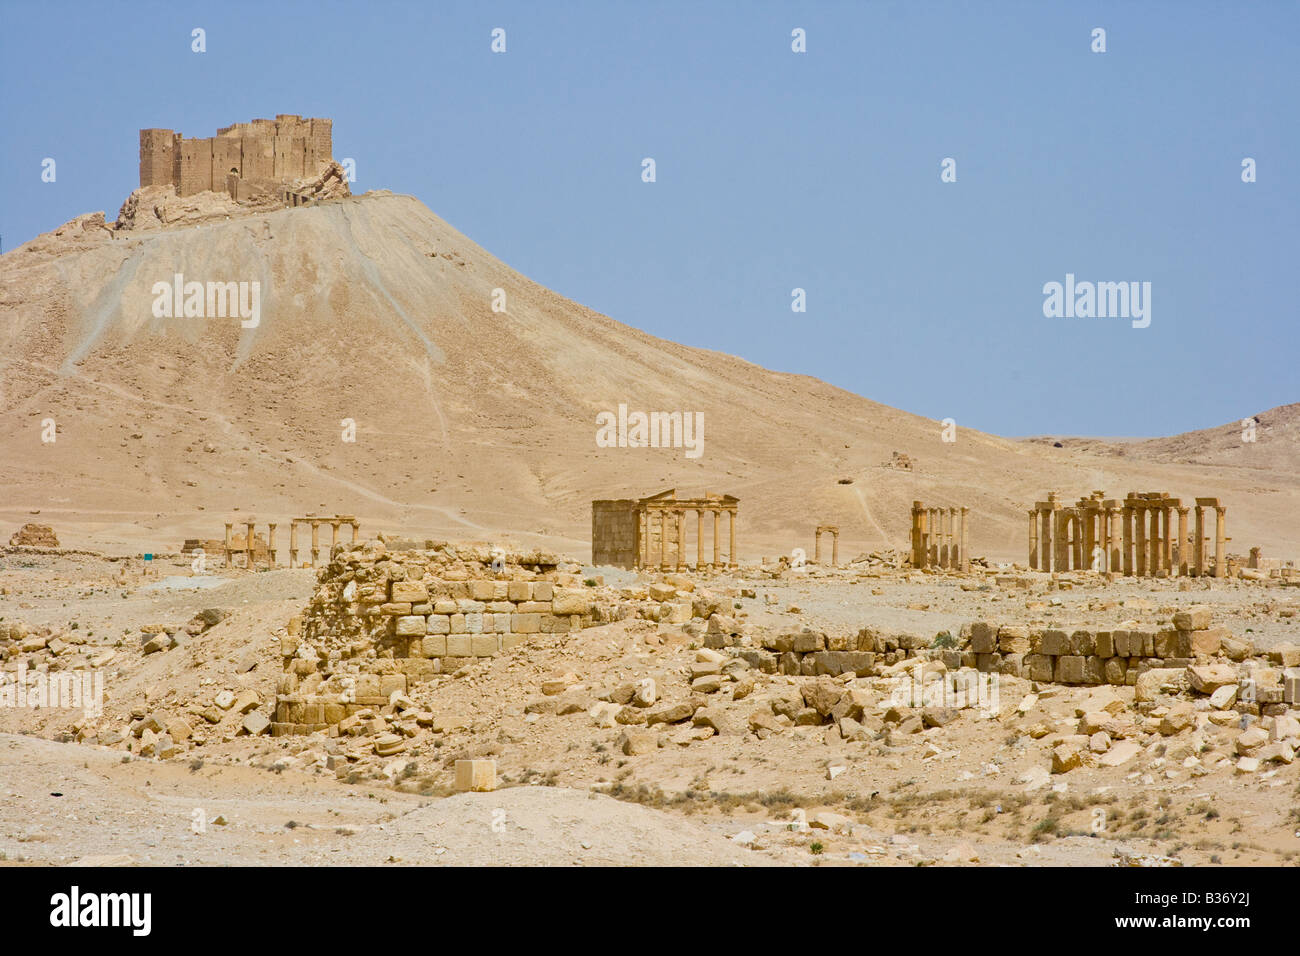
(383, 619)
(280, 150)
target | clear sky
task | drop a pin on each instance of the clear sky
(775, 170)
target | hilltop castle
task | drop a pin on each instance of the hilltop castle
(245, 160)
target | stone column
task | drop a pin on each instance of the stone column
(1045, 540)
(963, 553)
(1169, 540)
(681, 539)
(1140, 544)
(1033, 539)
(355, 530)
(228, 524)
(1113, 559)
(731, 554)
(817, 547)
(699, 538)
(334, 537)
(952, 538)
(1220, 540)
(916, 534)
(717, 531)
(936, 535)
(1086, 537)
(248, 544)
(315, 543)
(835, 549)
(663, 540)
(1126, 540)
(270, 547)
(1199, 546)
(293, 543)
(1182, 541)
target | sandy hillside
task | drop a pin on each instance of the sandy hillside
(470, 423)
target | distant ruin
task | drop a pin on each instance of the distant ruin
(1132, 536)
(939, 537)
(247, 160)
(651, 532)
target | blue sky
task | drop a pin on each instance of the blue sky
(775, 170)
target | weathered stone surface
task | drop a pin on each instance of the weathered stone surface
(635, 743)
(1160, 680)
(1207, 678)
(478, 776)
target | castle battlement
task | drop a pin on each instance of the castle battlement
(242, 158)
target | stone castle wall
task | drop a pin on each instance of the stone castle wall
(280, 150)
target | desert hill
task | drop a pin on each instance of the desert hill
(473, 423)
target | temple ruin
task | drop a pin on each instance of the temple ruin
(939, 537)
(651, 532)
(259, 550)
(1133, 536)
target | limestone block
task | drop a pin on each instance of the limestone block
(1082, 643)
(1055, 643)
(478, 776)
(518, 591)
(458, 645)
(1069, 669)
(1040, 667)
(412, 626)
(1104, 644)
(439, 624)
(484, 645)
(1013, 639)
(571, 601)
(435, 645)
(482, 590)
(543, 591)
(474, 623)
(983, 637)
(412, 592)
(1194, 618)
(525, 623)
(1160, 680)
(1166, 642)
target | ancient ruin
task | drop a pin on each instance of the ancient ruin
(245, 160)
(1133, 536)
(900, 461)
(939, 537)
(834, 532)
(651, 532)
(258, 550)
(383, 621)
(34, 536)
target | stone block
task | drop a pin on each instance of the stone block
(435, 645)
(1082, 643)
(456, 624)
(478, 776)
(438, 624)
(571, 601)
(474, 623)
(1069, 669)
(1194, 618)
(519, 591)
(411, 626)
(412, 592)
(1116, 667)
(543, 591)
(1055, 643)
(1013, 639)
(525, 623)
(484, 645)
(1040, 667)
(482, 590)
(1104, 644)
(1166, 643)
(458, 645)
(983, 637)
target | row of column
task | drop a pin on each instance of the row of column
(314, 553)
(1136, 540)
(939, 538)
(677, 518)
